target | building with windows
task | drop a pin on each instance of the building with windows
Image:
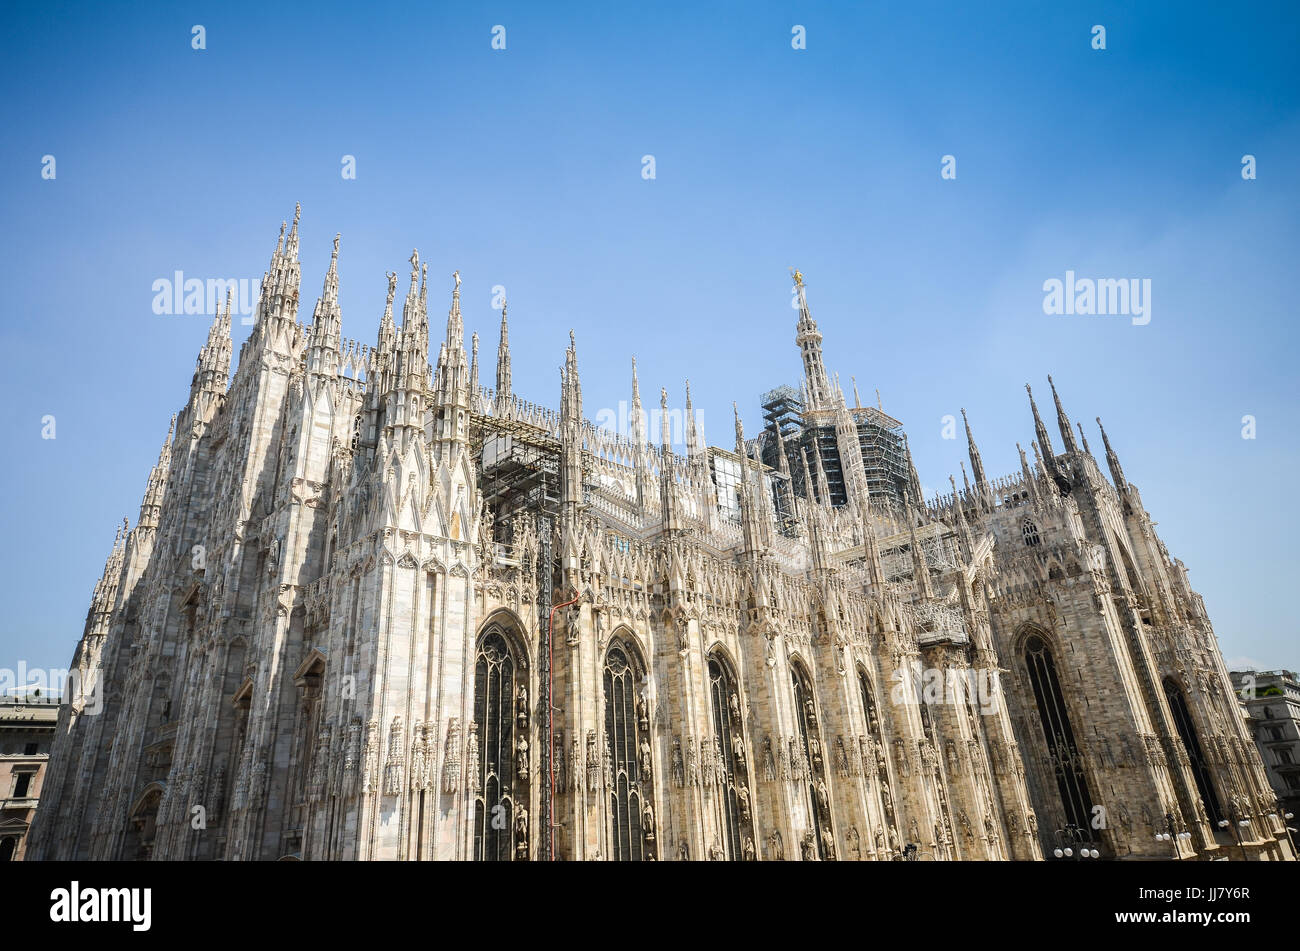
(26, 734)
(374, 609)
(1271, 699)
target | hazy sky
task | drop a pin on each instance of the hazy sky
(523, 168)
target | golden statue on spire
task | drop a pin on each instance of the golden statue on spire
(798, 277)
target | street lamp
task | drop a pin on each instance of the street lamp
(1069, 837)
(1169, 832)
(1238, 822)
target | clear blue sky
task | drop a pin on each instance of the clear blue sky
(523, 168)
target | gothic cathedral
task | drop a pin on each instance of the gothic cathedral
(373, 609)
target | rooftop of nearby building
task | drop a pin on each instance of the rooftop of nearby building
(27, 705)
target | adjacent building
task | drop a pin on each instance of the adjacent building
(26, 735)
(1272, 702)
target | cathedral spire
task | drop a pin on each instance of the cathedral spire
(667, 499)
(636, 421)
(291, 246)
(871, 550)
(151, 505)
(473, 365)
(1031, 484)
(327, 321)
(1083, 439)
(570, 459)
(807, 476)
(212, 369)
(455, 323)
(914, 480)
(849, 446)
(963, 529)
(692, 437)
(331, 290)
(411, 309)
(785, 485)
(1063, 421)
(814, 513)
(638, 437)
(665, 429)
(1044, 440)
(976, 464)
(823, 486)
(279, 296)
(413, 358)
(782, 463)
(503, 366)
(1045, 473)
(388, 306)
(1112, 460)
(920, 570)
(809, 340)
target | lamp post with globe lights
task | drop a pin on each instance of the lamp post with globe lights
(1074, 841)
(1237, 822)
(1168, 831)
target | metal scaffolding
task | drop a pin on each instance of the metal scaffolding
(519, 477)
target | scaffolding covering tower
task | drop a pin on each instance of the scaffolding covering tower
(881, 438)
(519, 477)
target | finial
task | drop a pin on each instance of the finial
(335, 255)
(880, 406)
(456, 277)
(392, 288)
(857, 400)
(573, 344)
(798, 277)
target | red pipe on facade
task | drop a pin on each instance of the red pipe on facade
(550, 701)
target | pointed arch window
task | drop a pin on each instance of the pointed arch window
(1064, 753)
(1029, 531)
(815, 775)
(734, 798)
(1187, 731)
(497, 785)
(868, 705)
(628, 758)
